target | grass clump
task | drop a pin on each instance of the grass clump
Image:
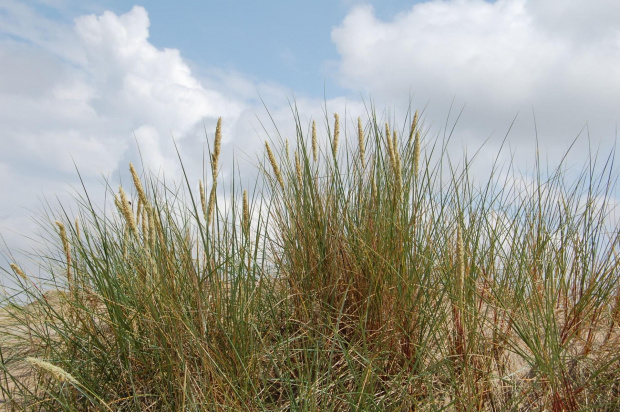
(370, 278)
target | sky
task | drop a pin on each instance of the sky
(92, 85)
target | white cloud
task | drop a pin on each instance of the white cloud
(559, 58)
(79, 92)
(85, 95)
(74, 97)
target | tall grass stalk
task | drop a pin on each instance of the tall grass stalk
(382, 277)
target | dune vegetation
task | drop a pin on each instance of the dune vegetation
(368, 273)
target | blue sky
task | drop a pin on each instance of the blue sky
(85, 83)
(282, 41)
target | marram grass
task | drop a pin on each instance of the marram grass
(377, 278)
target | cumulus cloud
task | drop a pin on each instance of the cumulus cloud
(82, 96)
(86, 95)
(558, 59)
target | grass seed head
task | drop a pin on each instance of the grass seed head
(274, 165)
(298, 168)
(139, 208)
(66, 246)
(360, 135)
(396, 152)
(56, 372)
(246, 211)
(216, 149)
(77, 228)
(138, 184)
(203, 199)
(18, 271)
(126, 211)
(314, 145)
(395, 141)
(336, 133)
(390, 147)
(414, 126)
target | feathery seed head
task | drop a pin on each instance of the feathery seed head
(390, 149)
(139, 208)
(298, 168)
(138, 184)
(65, 244)
(56, 372)
(216, 149)
(399, 175)
(63, 234)
(126, 211)
(203, 199)
(360, 135)
(77, 228)
(18, 271)
(118, 203)
(336, 133)
(414, 126)
(395, 141)
(246, 211)
(314, 145)
(274, 165)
